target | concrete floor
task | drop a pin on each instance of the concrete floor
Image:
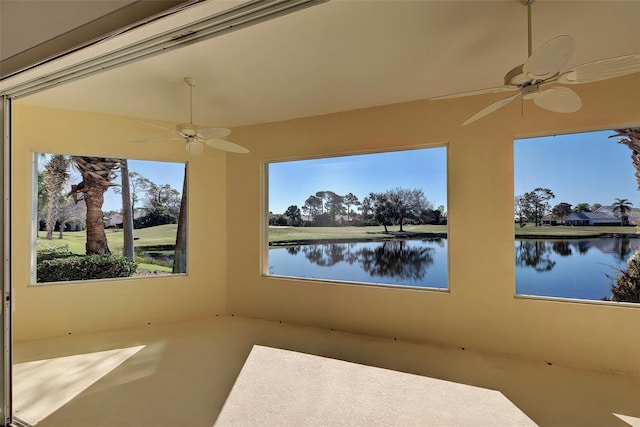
(238, 371)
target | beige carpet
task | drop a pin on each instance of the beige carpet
(279, 387)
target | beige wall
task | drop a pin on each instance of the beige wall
(46, 310)
(480, 311)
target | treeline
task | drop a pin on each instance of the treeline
(534, 205)
(160, 203)
(397, 206)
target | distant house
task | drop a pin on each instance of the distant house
(115, 219)
(604, 215)
(550, 219)
(633, 214)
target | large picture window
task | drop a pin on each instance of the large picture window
(99, 218)
(376, 219)
(577, 216)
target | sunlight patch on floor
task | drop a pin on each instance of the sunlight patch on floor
(281, 387)
(42, 387)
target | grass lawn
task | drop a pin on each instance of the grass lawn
(152, 236)
(285, 234)
(571, 231)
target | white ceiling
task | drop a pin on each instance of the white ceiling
(348, 54)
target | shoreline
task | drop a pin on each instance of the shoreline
(409, 235)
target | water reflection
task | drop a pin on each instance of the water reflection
(394, 259)
(558, 267)
(535, 254)
(538, 254)
(420, 263)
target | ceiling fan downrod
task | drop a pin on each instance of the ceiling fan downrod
(529, 3)
(191, 82)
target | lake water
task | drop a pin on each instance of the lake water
(574, 268)
(557, 268)
(421, 263)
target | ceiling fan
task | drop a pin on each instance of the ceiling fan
(196, 136)
(540, 77)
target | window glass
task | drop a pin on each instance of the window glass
(82, 229)
(375, 219)
(576, 216)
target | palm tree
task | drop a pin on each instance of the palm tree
(97, 174)
(623, 206)
(55, 177)
(127, 212)
(631, 138)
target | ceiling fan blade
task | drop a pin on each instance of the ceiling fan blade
(158, 126)
(602, 69)
(223, 145)
(498, 89)
(559, 100)
(213, 133)
(157, 140)
(490, 109)
(549, 59)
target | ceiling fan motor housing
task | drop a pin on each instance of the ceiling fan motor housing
(187, 129)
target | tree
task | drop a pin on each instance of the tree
(443, 214)
(97, 174)
(520, 209)
(162, 205)
(625, 286)
(561, 210)
(350, 200)
(138, 187)
(536, 204)
(322, 195)
(180, 250)
(582, 207)
(127, 212)
(382, 208)
(623, 206)
(55, 177)
(334, 206)
(407, 204)
(431, 216)
(367, 207)
(312, 207)
(293, 213)
(631, 138)
(43, 198)
(595, 207)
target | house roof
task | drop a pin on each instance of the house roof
(591, 216)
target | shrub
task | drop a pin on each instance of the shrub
(84, 267)
(52, 252)
(626, 283)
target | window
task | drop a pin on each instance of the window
(576, 217)
(376, 219)
(80, 221)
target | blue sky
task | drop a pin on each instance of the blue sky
(291, 183)
(578, 168)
